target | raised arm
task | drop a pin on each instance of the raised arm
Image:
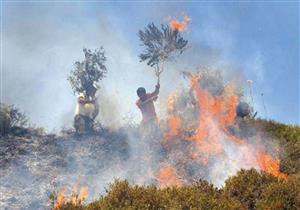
(155, 93)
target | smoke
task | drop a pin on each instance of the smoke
(204, 138)
(39, 53)
(37, 82)
(33, 168)
(109, 112)
(45, 49)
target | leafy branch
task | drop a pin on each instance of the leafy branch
(160, 45)
(85, 76)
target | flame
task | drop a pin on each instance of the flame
(167, 176)
(204, 138)
(60, 199)
(174, 124)
(269, 164)
(84, 191)
(216, 113)
(179, 25)
(76, 198)
(174, 120)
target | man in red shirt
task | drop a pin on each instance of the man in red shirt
(146, 105)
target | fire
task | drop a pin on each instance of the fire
(216, 113)
(167, 176)
(60, 199)
(76, 197)
(174, 121)
(84, 191)
(269, 164)
(174, 124)
(196, 143)
(180, 25)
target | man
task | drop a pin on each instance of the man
(149, 128)
(146, 104)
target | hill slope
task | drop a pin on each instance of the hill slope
(33, 166)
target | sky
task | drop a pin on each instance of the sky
(40, 41)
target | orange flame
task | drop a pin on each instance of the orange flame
(269, 164)
(180, 25)
(173, 121)
(84, 191)
(167, 176)
(208, 135)
(75, 198)
(60, 199)
(215, 114)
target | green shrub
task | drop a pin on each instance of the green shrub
(288, 139)
(200, 195)
(281, 195)
(247, 186)
(249, 189)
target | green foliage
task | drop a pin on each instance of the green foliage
(89, 72)
(281, 195)
(288, 138)
(200, 195)
(70, 206)
(247, 186)
(249, 189)
(160, 44)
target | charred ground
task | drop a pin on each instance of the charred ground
(36, 165)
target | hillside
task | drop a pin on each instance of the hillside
(208, 151)
(35, 166)
(248, 189)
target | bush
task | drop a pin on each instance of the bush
(281, 195)
(11, 117)
(200, 195)
(288, 138)
(249, 189)
(247, 186)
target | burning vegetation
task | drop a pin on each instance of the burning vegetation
(208, 152)
(203, 137)
(179, 25)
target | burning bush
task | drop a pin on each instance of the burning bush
(203, 138)
(200, 195)
(288, 138)
(249, 189)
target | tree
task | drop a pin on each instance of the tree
(84, 78)
(160, 45)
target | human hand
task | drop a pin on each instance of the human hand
(157, 85)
